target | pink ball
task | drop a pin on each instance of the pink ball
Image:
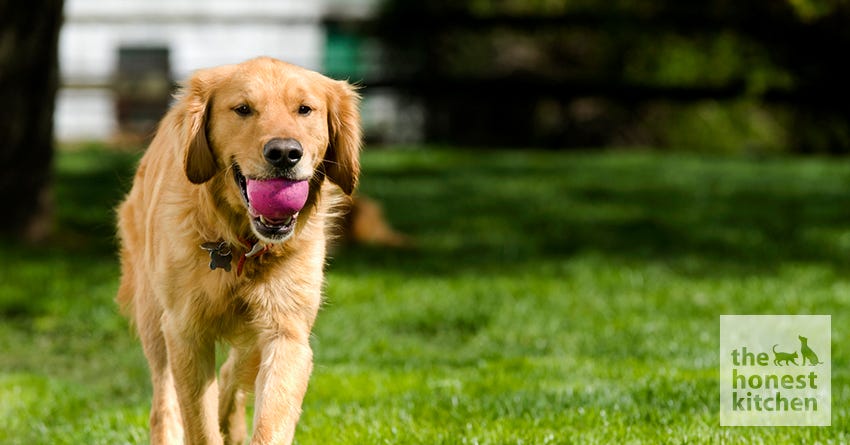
(277, 199)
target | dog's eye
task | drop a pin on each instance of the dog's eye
(243, 110)
(304, 110)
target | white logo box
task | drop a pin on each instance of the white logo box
(775, 370)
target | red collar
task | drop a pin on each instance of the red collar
(221, 254)
(254, 249)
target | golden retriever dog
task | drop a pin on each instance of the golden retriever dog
(223, 240)
(364, 223)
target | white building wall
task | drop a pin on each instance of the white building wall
(198, 34)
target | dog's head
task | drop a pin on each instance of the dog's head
(278, 131)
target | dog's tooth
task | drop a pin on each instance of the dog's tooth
(263, 220)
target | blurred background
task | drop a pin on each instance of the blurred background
(760, 77)
(764, 75)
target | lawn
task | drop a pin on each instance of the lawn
(551, 298)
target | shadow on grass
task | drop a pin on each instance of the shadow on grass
(508, 211)
(80, 255)
(502, 211)
(89, 185)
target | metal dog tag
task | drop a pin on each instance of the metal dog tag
(220, 254)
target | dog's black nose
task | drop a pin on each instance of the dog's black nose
(283, 153)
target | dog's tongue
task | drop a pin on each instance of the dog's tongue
(277, 199)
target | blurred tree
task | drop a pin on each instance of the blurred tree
(564, 73)
(29, 34)
(810, 10)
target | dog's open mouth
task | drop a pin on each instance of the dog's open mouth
(273, 204)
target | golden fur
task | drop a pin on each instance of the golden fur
(184, 194)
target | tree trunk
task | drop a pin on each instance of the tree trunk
(29, 77)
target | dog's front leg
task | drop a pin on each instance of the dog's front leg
(280, 388)
(237, 373)
(192, 360)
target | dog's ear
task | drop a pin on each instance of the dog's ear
(199, 161)
(342, 159)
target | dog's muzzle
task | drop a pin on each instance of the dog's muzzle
(273, 204)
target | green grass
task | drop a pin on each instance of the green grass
(552, 298)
